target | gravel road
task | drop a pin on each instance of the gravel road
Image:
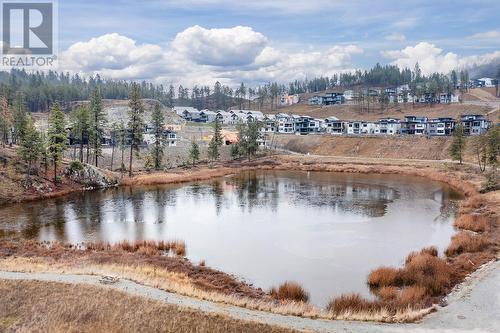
(474, 307)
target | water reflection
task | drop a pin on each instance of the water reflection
(324, 230)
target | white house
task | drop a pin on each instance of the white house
(489, 82)
(387, 126)
(269, 124)
(356, 127)
(286, 123)
(180, 110)
(334, 126)
(208, 116)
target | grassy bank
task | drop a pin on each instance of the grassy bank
(29, 306)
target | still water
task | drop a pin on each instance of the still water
(324, 230)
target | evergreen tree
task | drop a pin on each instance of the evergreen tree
(249, 134)
(458, 145)
(97, 123)
(493, 150)
(136, 122)
(122, 142)
(30, 147)
(194, 152)
(114, 139)
(5, 120)
(56, 137)
(158, 122)
(80, 127)
(19, 115)
(235, 151)
(215, 142)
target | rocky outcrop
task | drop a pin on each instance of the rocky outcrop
(90, 176)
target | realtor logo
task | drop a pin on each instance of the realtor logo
(29, 33)
(28, 28)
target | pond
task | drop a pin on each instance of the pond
(323, 230)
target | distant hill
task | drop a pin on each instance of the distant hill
(487, 70)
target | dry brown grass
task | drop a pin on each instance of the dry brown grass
(29, 306)
(476, 223)
(148, 248)
(466, 242)
(383, 277)
(290, 291)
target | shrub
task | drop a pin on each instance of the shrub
(476, 223)
(351, 303)
(430, 272)
(465, 242)
(75, 166)
(383, 276)
(412, 296)
(431, 250)
(290, 291)
(387, 293)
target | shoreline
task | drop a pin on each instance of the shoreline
(466, 183)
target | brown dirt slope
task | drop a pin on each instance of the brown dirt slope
(56, 307)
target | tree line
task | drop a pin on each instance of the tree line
(42, 89)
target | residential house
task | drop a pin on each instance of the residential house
(269, 124)
(315, 100)
(207, 116)
(414, 125)
(181, 110)
(440, 126)
(357, 127)
(387, 126)
(286, 123)
(330, 98)
(286, 99)
(474, 124)
(334, 126)
(488, 82)
(445, 98)
(306, 125)
(227, 118)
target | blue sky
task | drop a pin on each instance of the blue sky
(355, 34)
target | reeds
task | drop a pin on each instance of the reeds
(149, 248)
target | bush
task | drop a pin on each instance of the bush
(75, 166)
(290, 291)
(384, 276)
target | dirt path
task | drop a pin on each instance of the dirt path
(474, 307)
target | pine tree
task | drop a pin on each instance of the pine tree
(458, 145)
(114, 139)
(215, 142)
(122, 142)
(56, 137)
(97, 123)
(5, 120)
(136, 122)
(80, 126)
(30, 147)
(19, 115)
(248, 135)
(493, 150)
(194, 152)
(158, 123)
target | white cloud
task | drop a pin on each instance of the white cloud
(238, 46)
(203, 56)
(432, 59)
(111, 54)
(398, 37)
(486, 35)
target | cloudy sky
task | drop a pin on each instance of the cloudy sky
(201, 41)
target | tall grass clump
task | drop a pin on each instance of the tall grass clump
(290, 291)
(150, 248)
(476, 223)
(466, 242)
